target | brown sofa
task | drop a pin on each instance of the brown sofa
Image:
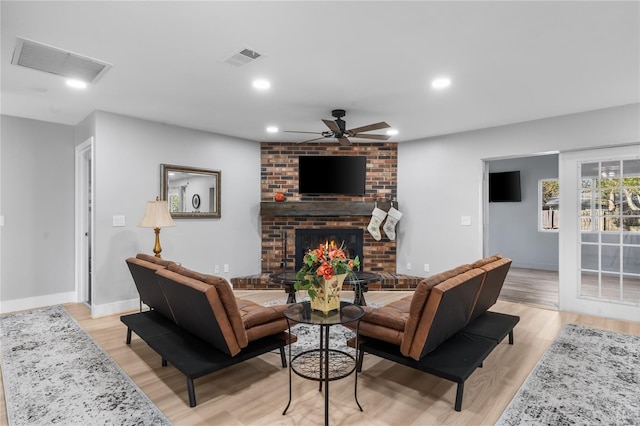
(444, 328)
(196, 323)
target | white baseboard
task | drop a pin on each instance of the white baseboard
(36, 302)
(25, 304)
(114, 308)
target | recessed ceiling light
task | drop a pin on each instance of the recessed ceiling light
(272, 129)
(441, 83)
(261, 84)
(392, 132)
(76, 84)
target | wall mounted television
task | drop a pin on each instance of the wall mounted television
(504, 187)
(332, 174)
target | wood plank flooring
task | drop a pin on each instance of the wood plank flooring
(535, 287)
(255, 392)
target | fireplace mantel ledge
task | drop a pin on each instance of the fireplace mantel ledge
(320, 208)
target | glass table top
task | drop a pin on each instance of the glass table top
(302, 313)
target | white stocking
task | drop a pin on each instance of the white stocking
(393, 217)
(377, 216)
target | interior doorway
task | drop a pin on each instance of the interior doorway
(84, 191)
(512, 228)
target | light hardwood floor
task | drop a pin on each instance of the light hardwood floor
(531, 286)
(256, 391)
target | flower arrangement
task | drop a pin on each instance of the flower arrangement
(323, 263)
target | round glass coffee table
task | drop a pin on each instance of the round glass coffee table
(324, 364)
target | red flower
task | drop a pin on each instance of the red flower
(325, 270)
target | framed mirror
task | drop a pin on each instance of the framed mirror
(190, 192)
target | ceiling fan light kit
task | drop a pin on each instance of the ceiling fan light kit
(338, 130)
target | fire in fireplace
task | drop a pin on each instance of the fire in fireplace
(307, 239)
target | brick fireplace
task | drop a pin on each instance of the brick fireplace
(347, 238)
(279, 173)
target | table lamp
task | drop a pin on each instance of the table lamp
(157, 216)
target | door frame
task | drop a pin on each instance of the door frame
(84, 223)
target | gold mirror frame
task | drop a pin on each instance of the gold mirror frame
(181, 185)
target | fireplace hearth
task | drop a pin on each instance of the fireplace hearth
(350, 238)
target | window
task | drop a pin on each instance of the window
(548, 205)
(609, 197)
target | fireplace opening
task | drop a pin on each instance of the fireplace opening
(307, 239)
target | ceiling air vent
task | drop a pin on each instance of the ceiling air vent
(42, 57)
(243, 57)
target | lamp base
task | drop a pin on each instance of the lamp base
(157, 249)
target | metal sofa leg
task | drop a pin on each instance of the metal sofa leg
(128, 336)
(192, 392)
(511, 337)
(283, 357)
(164, 362)
(459, 392)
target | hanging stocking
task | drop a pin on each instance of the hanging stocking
(393, 217)
(377, 216)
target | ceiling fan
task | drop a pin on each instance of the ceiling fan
(337, 129)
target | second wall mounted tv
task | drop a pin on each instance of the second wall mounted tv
(504, 187)
(332, 174)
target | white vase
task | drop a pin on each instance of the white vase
(328, 294)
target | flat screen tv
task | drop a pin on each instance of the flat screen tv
(332, 174)
(504, 187)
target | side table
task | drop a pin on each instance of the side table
(324, 364)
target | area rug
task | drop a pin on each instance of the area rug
(55, 373)
(586, 377)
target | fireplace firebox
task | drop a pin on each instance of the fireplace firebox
(350, 238)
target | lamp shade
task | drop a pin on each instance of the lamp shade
(157, 215)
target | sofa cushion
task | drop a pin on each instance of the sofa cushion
(394, 315)
(198, 309)
(419, 300)
(481, 262)
(250, 321)
(253, 314)
(446, 311)
(153, 259)
(496, 272)
(225, 293)
(144, 277)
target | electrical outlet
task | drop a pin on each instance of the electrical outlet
(465, 220)
(426, 267)
(225, 268)
(408, 266)
(216, 269)
(118, 220)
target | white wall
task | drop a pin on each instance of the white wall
(38, 207)
(128, 155)
(512, 227)
(38, 170)
(440, 178)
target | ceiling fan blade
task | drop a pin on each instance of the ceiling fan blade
(332, 125)
(344, 141)
(365, 136)
(375, 126)
(312, 140)
(296, 131)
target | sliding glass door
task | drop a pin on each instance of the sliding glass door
(609, 217)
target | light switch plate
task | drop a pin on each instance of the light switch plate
(118, 220)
